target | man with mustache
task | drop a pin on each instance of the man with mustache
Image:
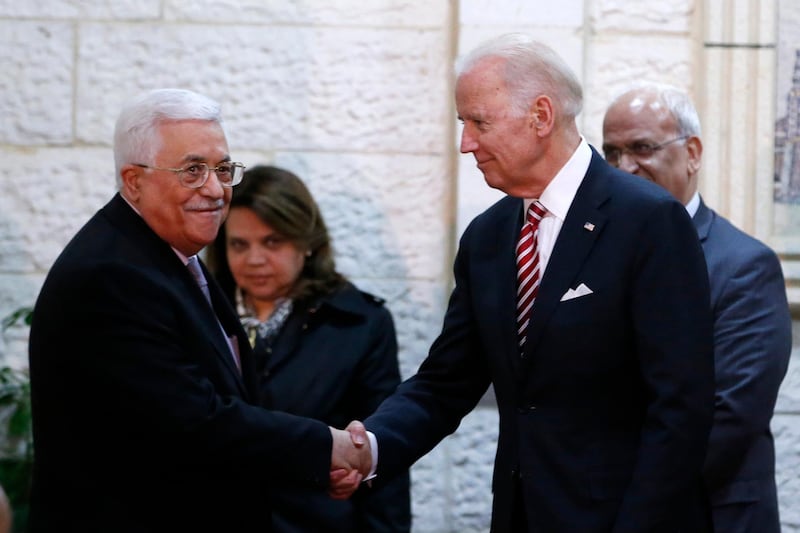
(145, 409)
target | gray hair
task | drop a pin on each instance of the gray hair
(675, 100)
(136, 137)
(531, 69)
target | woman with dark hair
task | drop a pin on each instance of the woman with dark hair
(326, 350)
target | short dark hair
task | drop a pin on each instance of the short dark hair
(281, 200)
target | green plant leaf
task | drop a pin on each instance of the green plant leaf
(22, 315)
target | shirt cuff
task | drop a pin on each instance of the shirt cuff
(373, 446)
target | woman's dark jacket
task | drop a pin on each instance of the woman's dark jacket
(335, 360)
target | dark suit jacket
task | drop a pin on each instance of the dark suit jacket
(336, 360)
(604, 420)
(141, 421)
(752, 347)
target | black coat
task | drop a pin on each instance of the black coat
(141, 421)
(336, 360)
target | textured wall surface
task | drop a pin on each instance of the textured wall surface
(355, 97)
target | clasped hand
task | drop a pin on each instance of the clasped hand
(351, 460)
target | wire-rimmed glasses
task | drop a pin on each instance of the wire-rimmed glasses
(637, 150)
(195, 175)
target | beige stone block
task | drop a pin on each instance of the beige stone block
(430, 492)
(617, 61)
(418, 309)
(62, 188)
(789, 393)
(81, 9)
(539, 13)
(386, 213)
(786, 429)
(472, 463)
(18, 290)
(658, 18)
(36, 86)
(281, 88)
(375, 13)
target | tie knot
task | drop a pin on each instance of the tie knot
(536, 212)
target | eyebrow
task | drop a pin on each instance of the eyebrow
(194, 158)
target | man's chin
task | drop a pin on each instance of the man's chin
(493, 181)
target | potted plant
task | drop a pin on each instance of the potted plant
(16, 437)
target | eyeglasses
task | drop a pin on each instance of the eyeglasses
(637, 150)
(195, 175)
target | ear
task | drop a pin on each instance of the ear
(131, 174)
(542, 115)
(694, 147)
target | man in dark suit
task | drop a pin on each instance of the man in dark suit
(653, 131)
(145, 413)
(605, 408)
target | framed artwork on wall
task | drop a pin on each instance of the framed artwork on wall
(787, 124)
(786, 195)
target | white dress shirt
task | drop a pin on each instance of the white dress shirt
(557, 198)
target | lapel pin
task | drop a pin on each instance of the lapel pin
(588, 226)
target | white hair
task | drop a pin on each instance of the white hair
(136, 136)
(531, 69)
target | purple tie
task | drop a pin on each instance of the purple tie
(194, 267)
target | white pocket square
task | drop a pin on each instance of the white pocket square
(577, 292)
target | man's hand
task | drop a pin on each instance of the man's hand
(350, 463)
(358, 434)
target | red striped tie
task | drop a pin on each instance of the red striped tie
(528, 268)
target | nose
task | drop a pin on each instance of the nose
(468, 140)
(213, 187)
(627, 163)
(256, 256)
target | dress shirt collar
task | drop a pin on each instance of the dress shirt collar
(559, 193)
(694, 204)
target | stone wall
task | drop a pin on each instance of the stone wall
(354, 96)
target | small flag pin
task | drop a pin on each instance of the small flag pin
(588, 226)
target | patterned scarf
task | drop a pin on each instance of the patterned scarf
(267, 330)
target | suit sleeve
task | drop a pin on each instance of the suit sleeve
(164, 391)
(752, 347)
(671, 317)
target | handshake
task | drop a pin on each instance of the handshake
(351, 460)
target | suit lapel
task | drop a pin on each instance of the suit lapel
(224, 315)
(488, 248)
(507, 270)
(130, 223)
(583, 225)
(702, 221)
